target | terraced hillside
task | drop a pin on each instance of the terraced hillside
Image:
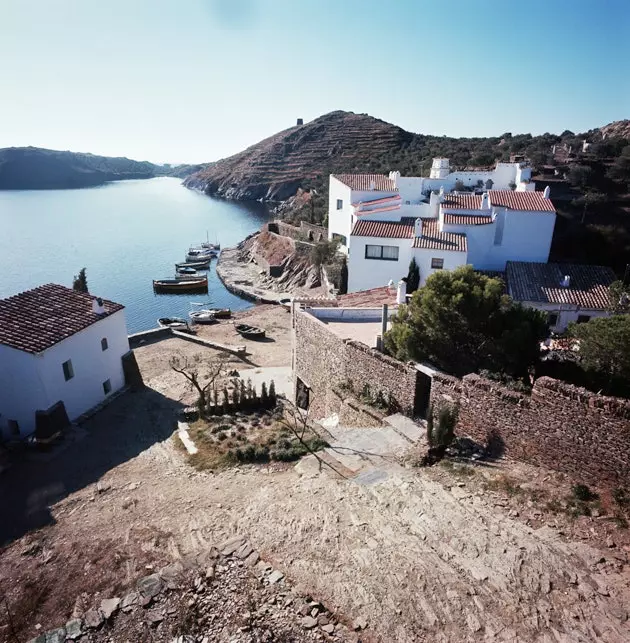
(274, 168)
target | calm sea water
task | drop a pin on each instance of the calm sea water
(126, 234)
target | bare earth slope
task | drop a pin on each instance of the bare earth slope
(274, 168)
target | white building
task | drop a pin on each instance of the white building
(57, 345)
(382, 222)
(566, 292)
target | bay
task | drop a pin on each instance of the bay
(125, 234)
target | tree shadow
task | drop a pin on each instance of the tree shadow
(129, 425)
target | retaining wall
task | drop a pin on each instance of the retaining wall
(558, 426)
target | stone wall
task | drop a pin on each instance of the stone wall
(558, 426)
(303, 232)
(323, 361)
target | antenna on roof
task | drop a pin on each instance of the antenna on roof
(566, 281)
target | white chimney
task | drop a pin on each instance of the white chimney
(97, 306)
(546, 192)
(485, 201)
(418, 228)
(390, 284)
(372, 185)
(566, 281)
(401, 294)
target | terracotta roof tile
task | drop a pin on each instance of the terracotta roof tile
(363, 182)
(372, 298)
(386, 229)
(467, 219)
(540, 282)
(37, 319)
(526, 201)
(433, 239)
(461, 202)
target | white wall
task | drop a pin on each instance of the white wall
(339, 221)
(423, 257)
(566, 313)
(91, 365)
(372, 273)
(21, 390)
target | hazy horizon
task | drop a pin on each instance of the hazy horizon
(204, 79)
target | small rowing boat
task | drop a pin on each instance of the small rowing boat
(197, 265)
(187, 271)
(181, 284)
(202, 317)
(250, 332)
(200, 254)
(219, 313)
(176, 323)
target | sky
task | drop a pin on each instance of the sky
(191, 81)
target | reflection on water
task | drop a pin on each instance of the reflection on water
(126, 234)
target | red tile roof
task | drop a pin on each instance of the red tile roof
(387, 229)
(384, 199)
(372, 298)
(466, 219)
(526, 201)
(540, 282)
(461, 202)
(362, 182)
(433, 239)
(40, 318)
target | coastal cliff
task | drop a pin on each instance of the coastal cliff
(32, 168)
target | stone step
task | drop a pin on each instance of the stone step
(413, 431)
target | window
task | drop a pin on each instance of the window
(582, 319)
(552, 319)
(68, 371)
(498, 230)
(387, 253)
(14, 427)
(107, 387)
(341, 238)
(437, 263)
(339, 204)
(104, 345)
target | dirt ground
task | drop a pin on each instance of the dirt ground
(438, 554)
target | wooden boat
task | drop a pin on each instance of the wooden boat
(187, 270)
(197, 265)
(200, 254)
(183, 276)
(202, 317)
(219, 313)
(176, 323)
(250, 332)
(181, 285)
(211, 246)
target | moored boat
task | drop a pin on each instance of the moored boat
(181, 285)
(200, 254)
(187, 270)
(250, 332)
(197, 265)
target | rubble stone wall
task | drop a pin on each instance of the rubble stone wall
(558, 426)
(324, 361)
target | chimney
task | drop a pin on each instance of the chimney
(566, 281)
(372, 185)
(546, 192)
(401, 294)
(418, 228)
(97, 306)
(300, 121)
(485, 201)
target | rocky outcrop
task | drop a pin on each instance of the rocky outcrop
(615, 129)
(32, 168)
(276, 167)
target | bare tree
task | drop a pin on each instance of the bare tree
(201, 381)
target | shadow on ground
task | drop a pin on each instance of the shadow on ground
(126, 427)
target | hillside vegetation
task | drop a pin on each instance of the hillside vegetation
(32, 168)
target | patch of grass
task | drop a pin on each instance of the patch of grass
(554, 506)
(621, 521)
(581, 493)
(505, 484)
(622, 497)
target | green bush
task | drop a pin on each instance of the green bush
(582, 493)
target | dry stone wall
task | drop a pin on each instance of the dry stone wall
(559, 426)
(324, 361)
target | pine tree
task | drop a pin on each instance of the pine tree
(79, 283)
(272, 393)
(413, 278)
(343, 279)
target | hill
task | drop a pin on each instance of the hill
(32, 168)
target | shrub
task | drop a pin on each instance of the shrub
(448, 415)
(582, 493)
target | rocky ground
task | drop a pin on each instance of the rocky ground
(438, 554)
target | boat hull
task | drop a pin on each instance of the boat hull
(180, 285)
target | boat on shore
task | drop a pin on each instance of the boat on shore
(197, 265)
(250, 332)
(175, 323)
(202, 317)
(181, 285)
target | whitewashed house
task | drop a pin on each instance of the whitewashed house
(57, 345)
(382, 222)
(566, 292)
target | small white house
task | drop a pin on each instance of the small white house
(57, 345)
(566, 292)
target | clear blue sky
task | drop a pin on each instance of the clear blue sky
(197, 80)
